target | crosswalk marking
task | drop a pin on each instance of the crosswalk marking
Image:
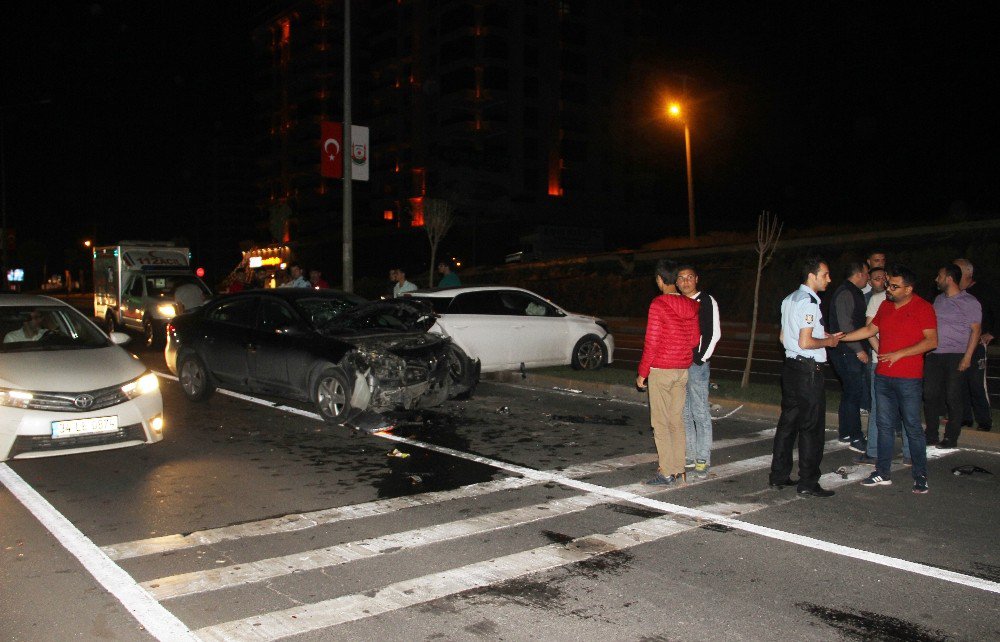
(329, 613)
(301, 521)
(244, 573)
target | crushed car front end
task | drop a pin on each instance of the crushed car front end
(402, 371)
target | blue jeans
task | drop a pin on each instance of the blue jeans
(697, 415)
(899, 399)
(851, 373)
(873, 419)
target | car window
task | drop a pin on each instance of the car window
(135, 287)
(524, 304)
(485, 302)
(37, 328)
(165, 285)
(239, 312)
(275, 314)
(440, 304)
(319, 311)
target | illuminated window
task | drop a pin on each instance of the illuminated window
(388, 215)
(417, 211)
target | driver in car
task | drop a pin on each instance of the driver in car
(32, 329)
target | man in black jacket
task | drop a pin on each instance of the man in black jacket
(697, 412)
(977, 397)
(850, 359)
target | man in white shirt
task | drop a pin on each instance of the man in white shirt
(32, 329)
(398, 276)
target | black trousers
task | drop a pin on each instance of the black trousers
(803, 416)
(977, 401)
(943, 385)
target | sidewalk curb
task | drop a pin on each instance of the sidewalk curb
(968, 439)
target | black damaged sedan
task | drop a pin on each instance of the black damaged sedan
(337, 350)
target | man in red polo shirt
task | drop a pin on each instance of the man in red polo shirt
(907, 329)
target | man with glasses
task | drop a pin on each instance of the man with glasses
(907, 328)
(31, 330)
(877, 279)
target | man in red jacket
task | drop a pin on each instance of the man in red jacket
(671, 335)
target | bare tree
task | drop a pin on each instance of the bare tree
(768, 232)
(437, 221)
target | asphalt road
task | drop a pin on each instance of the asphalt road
(516, 515)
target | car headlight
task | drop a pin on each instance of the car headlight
(144, 384)
(167, 310)
(15, 398)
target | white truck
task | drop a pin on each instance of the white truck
(141, 285)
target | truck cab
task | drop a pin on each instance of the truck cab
(140, 286)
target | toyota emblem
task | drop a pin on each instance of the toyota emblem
(83, 402)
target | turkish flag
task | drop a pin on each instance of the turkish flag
(331, 146)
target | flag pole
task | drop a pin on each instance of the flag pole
(348, 156)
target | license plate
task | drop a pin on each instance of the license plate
(89, 426)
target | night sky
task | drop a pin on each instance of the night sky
(821, 112)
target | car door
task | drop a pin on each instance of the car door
(539, 329)
(278, 353)
(479, 325)
(132, 301)
(224, 338)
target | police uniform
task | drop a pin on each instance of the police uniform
(803, 400)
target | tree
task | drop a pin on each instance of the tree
(437, 221)
(768, 232)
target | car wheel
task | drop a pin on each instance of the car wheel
(109, 323)
(332, 396)
(589, 353)
(462, 372)
(154, 334)
(194, 378)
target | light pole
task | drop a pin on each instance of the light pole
(674, 111)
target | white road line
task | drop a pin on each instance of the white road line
(296, 522)
(329, 613)
(157, 620)
(349, 608)
(248, 572)
(771, 533)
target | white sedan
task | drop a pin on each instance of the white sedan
(66, 387)
(509, 328)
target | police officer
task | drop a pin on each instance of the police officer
(803, 400)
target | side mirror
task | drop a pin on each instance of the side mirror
(119, 338)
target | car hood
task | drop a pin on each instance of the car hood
(369, 318)
(68, 370)
(400, 343)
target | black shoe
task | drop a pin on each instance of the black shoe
(930, 441)
(816, 491)
(986, 428)
(946, 444)
(782, 484)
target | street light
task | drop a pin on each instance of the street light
(674, 111)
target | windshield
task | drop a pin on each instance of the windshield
(384, 316)
(47, 327)
(320, 311)
(165, 285)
